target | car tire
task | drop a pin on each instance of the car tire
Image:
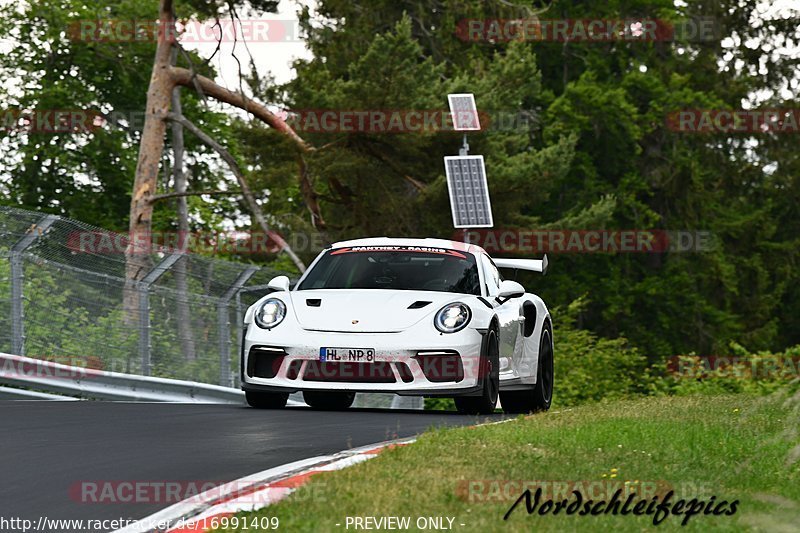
(540, 396)
(490, 370)
(329, 401)
(266, 400)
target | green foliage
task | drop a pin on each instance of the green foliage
(440, 404)
(597, 155)
(588, 368)
(739, 372)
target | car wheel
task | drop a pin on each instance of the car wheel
(490, 370)
(266, 400)
(541, 395)
(329, 401)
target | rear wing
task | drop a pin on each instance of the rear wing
(533, 265)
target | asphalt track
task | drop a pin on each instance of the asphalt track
(49, 449)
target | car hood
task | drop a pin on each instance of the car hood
(365, 310)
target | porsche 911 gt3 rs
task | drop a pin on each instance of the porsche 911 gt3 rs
(425, 317)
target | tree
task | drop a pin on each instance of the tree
(163, 80)
(87, 173)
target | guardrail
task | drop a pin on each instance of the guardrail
(26, 378)
(9, 393)
(37, 379)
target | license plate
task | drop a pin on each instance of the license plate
(358, 355)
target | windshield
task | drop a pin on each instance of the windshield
(395, 267)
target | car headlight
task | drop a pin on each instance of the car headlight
(453, 317)
(270, 313)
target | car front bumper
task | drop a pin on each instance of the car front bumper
(422, 363)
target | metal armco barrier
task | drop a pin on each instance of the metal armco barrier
(54, 378)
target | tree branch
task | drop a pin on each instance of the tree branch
(167, 196)
(255, 209)
(184, 77)
(310, 195)
(187, 78)
(386, 161)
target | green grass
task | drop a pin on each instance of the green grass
(736, 447)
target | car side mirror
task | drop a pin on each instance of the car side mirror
(510, 289)
(280, 283)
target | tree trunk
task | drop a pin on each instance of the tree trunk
(185, 333)
(151, 147)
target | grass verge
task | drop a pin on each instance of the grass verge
(733, 447)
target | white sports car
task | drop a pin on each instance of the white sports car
(424, 317)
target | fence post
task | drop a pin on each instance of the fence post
(17, 280)
(239, 330)
(144, 307)
(223, 325)
(144, 327)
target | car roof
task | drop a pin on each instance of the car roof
(394, 241)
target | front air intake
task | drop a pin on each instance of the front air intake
(264, 361)
(441, 366)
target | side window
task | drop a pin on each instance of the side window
(492, 276)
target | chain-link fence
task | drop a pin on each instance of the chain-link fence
(66, 299)
(63, 286)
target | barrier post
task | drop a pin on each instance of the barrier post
(18, 279)
(144, 308)
(224, 325)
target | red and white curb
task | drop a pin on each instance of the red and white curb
(195, 515)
